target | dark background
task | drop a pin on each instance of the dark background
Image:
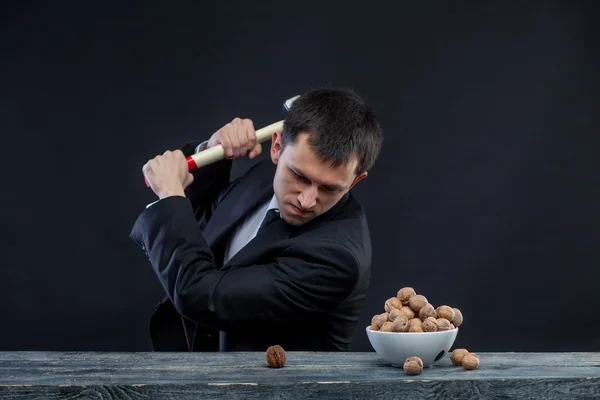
(486, 195)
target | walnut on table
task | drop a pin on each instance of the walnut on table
(413, 366)
(470, 361)
(276, 357)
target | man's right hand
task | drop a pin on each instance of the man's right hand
(238, 138)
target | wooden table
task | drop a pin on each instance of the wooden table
(53, 375)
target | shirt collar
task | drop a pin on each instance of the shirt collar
(273, 203)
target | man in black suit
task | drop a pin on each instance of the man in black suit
(281, 255)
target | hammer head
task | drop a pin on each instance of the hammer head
(287, 105)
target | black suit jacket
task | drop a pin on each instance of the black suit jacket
(300, 287)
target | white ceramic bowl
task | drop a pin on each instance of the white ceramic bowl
(396, 347)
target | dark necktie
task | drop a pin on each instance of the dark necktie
(272, 216)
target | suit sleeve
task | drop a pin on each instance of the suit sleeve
(209, 183)
(307, 277)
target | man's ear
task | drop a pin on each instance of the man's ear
(276, 147)
(358, 179)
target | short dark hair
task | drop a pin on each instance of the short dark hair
(340, 125)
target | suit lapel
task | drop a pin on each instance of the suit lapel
(260, 244)
(244, 195)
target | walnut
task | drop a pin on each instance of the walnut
(400, 324)
(415, 322)
(443, 324)
(458, 318)
(374, 327)
(430, 325)
(445, 312)
(391, 303)
(457, 356)
(413, 366)
(417, 359)
(393, 314)
(407, 312)
(415, 325)
(380, 319)
(387, 326)
(427, 311)
(405, 294)
(417, 302)
(470, 361)
(276, 356)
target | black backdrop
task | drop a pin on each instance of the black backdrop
(486, 195)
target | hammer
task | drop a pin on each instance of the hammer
(217, 153)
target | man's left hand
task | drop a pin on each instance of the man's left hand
(168, 174)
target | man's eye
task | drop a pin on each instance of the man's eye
(300, 177)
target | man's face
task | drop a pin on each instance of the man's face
(304, 185)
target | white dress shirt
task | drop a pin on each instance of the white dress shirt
(247, 229)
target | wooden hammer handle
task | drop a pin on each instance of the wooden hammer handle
(217, 153)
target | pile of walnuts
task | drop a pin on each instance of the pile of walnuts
(411, 312)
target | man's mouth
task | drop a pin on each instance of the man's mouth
(298, 211)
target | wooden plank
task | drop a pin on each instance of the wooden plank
(57, 375)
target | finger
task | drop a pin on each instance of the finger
(181, 161)
(250, 134)
(226, 143)
(147, 168)
(243, 141)
(235, 147)
(256, 151)
(189, 179)
(148, 173)
(242, 136)
(179, 154)
(235, 141)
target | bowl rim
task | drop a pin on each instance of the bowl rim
(368, 329)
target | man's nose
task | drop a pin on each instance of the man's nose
(308, 198)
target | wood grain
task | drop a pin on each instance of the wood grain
(55, 375)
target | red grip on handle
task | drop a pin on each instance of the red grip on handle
(191, 164)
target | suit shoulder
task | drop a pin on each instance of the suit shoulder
(258, 175)
(348, 227)
(265, 168)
